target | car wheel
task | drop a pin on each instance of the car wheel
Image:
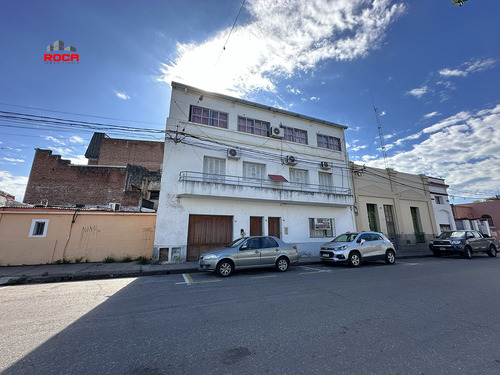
(467, 252)
(436, 253)
(492, 252)
(390, 257)
(224, 268)
(354, 259)
(282, 264)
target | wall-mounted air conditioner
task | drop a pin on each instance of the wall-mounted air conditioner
(114, 206)
(325, 165)
(232, 153)
(276, 132)
(290, 160)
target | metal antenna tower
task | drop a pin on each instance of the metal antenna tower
(381, 136)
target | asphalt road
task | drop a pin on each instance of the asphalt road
(420, 316)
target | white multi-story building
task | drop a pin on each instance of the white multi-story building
(233, 167)
(441, 205)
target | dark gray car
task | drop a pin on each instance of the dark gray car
(250, 252)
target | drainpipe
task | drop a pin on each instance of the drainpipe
(75, 214)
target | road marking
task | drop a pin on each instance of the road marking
(188, 280)
(314, 270)
(262, 277)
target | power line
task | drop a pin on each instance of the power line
(230, 32)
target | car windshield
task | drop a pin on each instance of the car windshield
(455, 234)
(236, 242)
(346, 237)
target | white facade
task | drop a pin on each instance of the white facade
(441, 205)
(257, 166)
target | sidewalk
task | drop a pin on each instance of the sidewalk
(49, 273)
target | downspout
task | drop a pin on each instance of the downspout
(75, 214)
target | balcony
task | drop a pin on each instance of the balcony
(196, 184)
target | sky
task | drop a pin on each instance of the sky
(431, 69)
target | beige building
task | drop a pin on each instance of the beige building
(47, 235)
(394, 203)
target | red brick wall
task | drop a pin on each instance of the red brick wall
(60, 183)
(121, 152)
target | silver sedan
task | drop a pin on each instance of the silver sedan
(250, 252)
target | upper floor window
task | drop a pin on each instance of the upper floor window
(326, 141)
(439, 199)
(325, 182)
(252, 126)
(210, 117)
(490, 220)
(299, 176)
(214, 169)
(254, 171)
(295, 135)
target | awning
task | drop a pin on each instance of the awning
(277, 178)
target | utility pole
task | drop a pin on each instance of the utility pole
(381, 136)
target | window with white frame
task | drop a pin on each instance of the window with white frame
(39, 227)
(254, 171)
(326, 141)
(208, 116)
(294, 135)
(439, 199)
(321, 227)
(252, 126)
(299, 176)
(325, 182)
(214, 169)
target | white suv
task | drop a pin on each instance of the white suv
(354, 248)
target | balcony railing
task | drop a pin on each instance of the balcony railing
(261, 183)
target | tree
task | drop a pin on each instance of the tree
(458, 2)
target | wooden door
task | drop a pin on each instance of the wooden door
(255, 226)
(207, 232)
(273, 226)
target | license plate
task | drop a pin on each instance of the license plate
(326, 255)
(442, 249)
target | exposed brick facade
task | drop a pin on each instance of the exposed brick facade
(59, 183)
(120, 152)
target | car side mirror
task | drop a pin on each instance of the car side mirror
(470, 236)
(362, 241)
(244, 247)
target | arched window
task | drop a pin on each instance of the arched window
(490, 220)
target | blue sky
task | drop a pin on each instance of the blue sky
(431, 69)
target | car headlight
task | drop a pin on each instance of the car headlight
(343, 247)
(455, 242)
(209, 257)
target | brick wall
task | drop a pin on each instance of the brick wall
(57, 181)
(124, 151)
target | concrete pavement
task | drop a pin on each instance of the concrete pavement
(46, 273)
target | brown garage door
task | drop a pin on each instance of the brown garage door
(207, 232)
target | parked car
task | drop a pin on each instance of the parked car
(250, 252)
(354, 248)
(464, 242)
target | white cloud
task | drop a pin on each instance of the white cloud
(418, 92)
(462, 148)
(54, 139)
(122, 95)
(79, 159)
(282, 38)
(15, 185)
(64, 152)
(452, 73)
(12, 160)
(314, 98)
(432, 114)
(468, 67)
(293, 90)
(76, 139)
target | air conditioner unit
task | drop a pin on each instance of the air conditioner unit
(276, 132)
(325, 165)
(232, 153)
(114, 206)
(290, 160)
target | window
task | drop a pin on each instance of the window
(415, 218)
(325, 182)
(326, 141)
(269, 242)
(295, 135)
(389, 220)
(439, 199)
(214, 170)
(299, 176)
(254, 171)
(39, 227)
(252, 126)
(154, 194)
(490, 220)
(372, 216)
(326, 228)
(443, 227)
(210, 117)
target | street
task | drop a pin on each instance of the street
(419, 316)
